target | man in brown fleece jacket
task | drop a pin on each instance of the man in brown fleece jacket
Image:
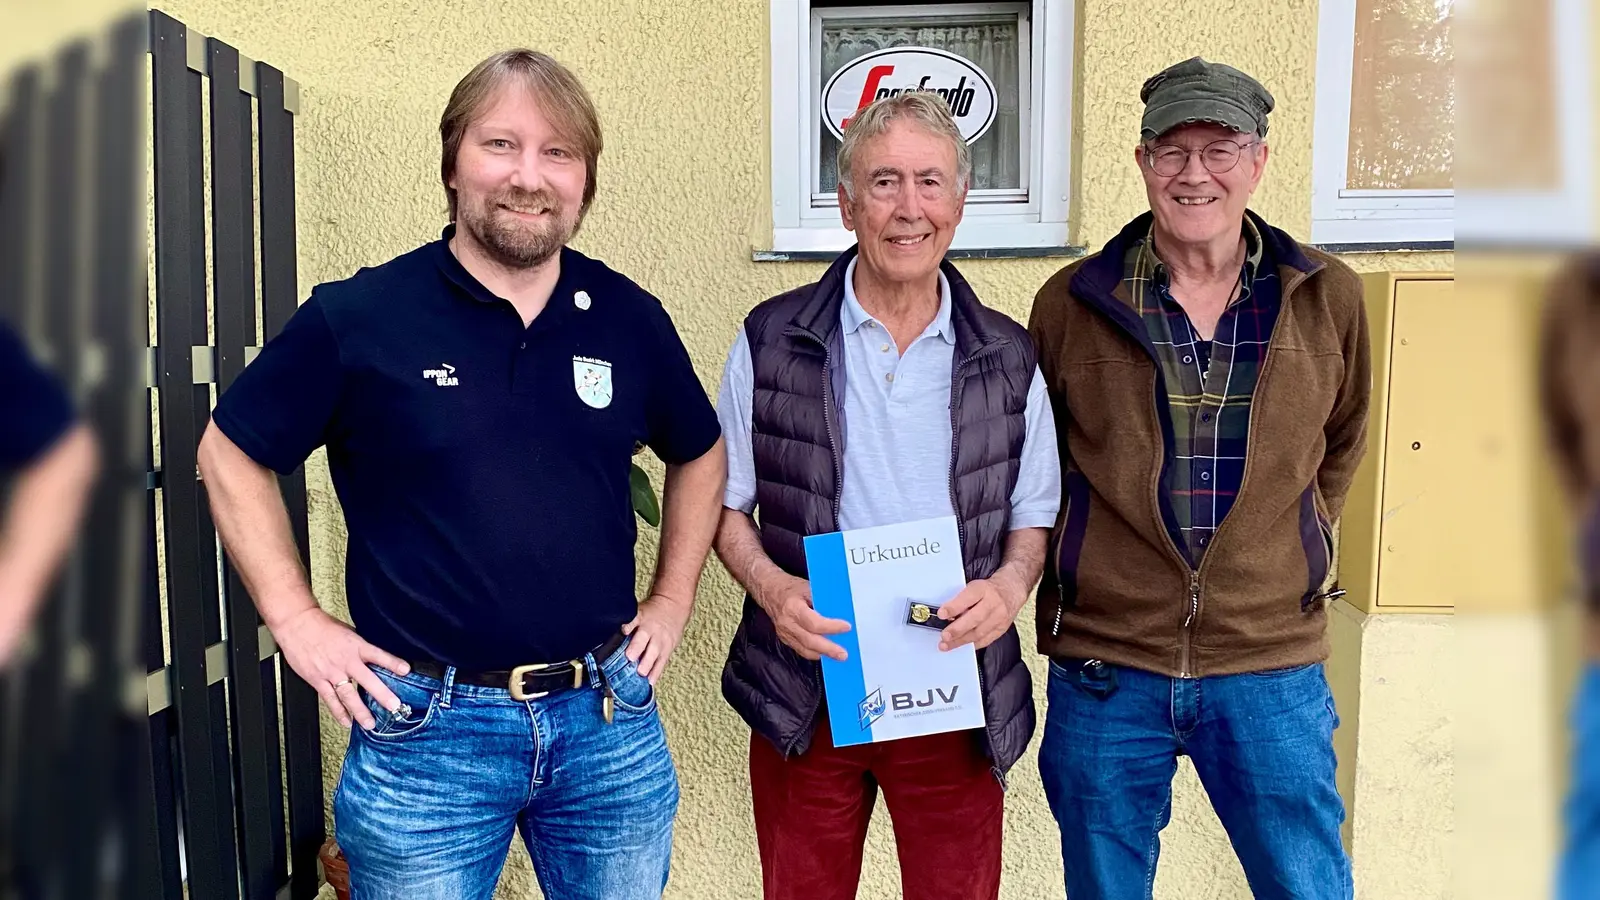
(1570, 394)
(1211, 379)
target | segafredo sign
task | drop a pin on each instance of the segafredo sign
(965, 87)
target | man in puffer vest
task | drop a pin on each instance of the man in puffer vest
(884, 393)
(1211, 378)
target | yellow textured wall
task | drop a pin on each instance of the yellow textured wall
(1396, 747)
(682, 90)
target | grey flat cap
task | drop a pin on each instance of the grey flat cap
(1199, 91)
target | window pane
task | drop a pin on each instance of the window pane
(989, 43)
(1507, 59)
(1402, 97)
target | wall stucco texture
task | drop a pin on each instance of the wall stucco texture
(682, 92)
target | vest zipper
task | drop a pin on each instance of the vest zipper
(955, 434)
(838, 497)
(961, 537)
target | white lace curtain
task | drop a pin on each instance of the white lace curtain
(997, 156)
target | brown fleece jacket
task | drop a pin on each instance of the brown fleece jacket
(1116, 586)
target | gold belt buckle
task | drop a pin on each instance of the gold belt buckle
(518, 694)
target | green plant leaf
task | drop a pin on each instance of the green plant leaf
(644, 497)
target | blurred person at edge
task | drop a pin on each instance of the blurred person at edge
(48, 463)
(1570, 395)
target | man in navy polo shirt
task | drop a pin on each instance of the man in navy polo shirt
(49, 459)
(481, 399)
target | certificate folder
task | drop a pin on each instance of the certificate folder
(896, 682)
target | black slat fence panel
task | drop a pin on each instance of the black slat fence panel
(211, 865)
(233, 302)
(279, 275)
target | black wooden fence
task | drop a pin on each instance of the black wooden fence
(153, 744)
(245, 775)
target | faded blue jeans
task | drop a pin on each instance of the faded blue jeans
(1262, 744)
(1580, 864)
(427, 802)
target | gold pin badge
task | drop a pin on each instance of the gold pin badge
(920, 612)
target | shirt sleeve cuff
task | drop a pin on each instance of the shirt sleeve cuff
(686, 451)
(1021, 519)
(738, 500)
(252, 445)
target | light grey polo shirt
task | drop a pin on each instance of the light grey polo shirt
(897, 454)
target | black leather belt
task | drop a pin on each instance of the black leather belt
(528, 682)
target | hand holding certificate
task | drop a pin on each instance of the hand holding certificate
(787, 601)
(900, 679)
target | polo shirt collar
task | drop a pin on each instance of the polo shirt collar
(852, 315)
(457, 274)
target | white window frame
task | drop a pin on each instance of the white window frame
(1338, 215)
(989, 222)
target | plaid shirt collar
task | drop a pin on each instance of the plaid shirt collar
(1144, 266)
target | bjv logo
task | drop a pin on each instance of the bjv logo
(910, 701)
(871, 709)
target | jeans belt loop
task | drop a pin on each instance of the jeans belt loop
(449, 687)
(592, 669)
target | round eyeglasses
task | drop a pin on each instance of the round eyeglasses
(1218, 157)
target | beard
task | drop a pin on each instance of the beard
(513, 242)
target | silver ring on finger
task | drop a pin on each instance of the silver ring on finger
(340, 684)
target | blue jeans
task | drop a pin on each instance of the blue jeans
(1262, 744)
(428, 800)
(1580, 864)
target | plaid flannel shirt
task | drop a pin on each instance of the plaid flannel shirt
(1209, 405)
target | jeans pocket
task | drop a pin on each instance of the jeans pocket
(418, 708)
(1092, 677)
(633, 693)
(1065, 669)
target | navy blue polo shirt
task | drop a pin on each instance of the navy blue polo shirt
(482, 466)
(33, 405)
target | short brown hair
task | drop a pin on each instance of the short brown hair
(561, 98)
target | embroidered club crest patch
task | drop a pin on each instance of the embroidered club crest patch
(592, 379)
